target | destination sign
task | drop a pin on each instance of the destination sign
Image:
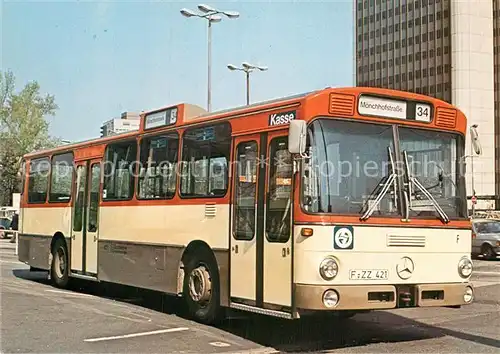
(394, 108)
(158, 119)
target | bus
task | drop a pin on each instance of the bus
(332, 202)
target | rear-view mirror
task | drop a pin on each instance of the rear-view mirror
(476, 144)
(297, 137)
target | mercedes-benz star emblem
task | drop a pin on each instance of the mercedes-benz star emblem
(405, 267)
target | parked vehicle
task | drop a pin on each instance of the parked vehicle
(486, 238)
(4, 225)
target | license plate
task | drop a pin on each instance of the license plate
(368, 274)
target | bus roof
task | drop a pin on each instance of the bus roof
(195, 113)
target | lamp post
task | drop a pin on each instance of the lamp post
(247, 69)
(210, 14)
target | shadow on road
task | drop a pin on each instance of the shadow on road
(308, 334)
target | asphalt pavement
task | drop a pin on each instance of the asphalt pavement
(104, 318)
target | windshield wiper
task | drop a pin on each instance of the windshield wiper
(390, 179)
(413, 181)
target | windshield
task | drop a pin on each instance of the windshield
(351, 165)
(348, 163)
(487, 227)
(434, 160)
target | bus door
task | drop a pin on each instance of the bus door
(244, 224)
(277, 240)
(261, 244)
(84, 238)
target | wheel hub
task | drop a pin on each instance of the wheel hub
(200, 285)
(60, 263)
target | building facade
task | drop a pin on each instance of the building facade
(448, 49)
(127, 122)
(496, 49)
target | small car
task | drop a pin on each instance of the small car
(486, 238)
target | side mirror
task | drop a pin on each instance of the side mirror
(297, 137)
(476, 144)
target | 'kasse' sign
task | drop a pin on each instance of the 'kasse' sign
(282, 118)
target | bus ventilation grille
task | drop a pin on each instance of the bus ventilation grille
(342, 105)
(446, 117)
(405, 241)
(210, 210)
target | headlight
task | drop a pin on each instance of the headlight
(328, 268)
(468, 295)
(330, 298)
(465, 267)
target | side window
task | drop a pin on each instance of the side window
(80, 185)
(119, 173)
(279, 201)
(23, 176)
(205, 156)
(95, 183)
(245, 190)
(38, 180)
(61, 178)
(157, 175)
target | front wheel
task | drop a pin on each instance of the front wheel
(59, 270)
(201, 289)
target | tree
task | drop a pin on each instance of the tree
(23, 129)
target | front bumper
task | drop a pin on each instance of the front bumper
(371, 297)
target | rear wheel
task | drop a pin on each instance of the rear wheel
(201, 288)
(59, 271)
(487, 252)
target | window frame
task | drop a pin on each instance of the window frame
(182, 156)
(235, 233)
(132, 183)
(272, 143)
(32, 161)
(139, 150)
(51, 174)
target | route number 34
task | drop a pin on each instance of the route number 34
(423, 112)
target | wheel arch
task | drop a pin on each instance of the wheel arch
(195, 247)
(58, 235)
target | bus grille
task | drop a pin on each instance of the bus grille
(341, 105)
(446, 117)
(405, 241)
(210, 210)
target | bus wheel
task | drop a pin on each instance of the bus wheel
(201, 289)
(59, 271)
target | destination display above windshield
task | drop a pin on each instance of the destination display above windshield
(394, 108)
(159, 119)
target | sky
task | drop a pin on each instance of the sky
(100, 58)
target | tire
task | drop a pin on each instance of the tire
(487, 252)
(59, 270)
(201, 269)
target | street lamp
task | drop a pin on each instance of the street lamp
(247, 68)
(210, 14)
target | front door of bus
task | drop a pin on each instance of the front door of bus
(85, 217)
(261, 243)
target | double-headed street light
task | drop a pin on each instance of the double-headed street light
(247, 68)
(210, 14)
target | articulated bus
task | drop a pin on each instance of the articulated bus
(333, 202)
